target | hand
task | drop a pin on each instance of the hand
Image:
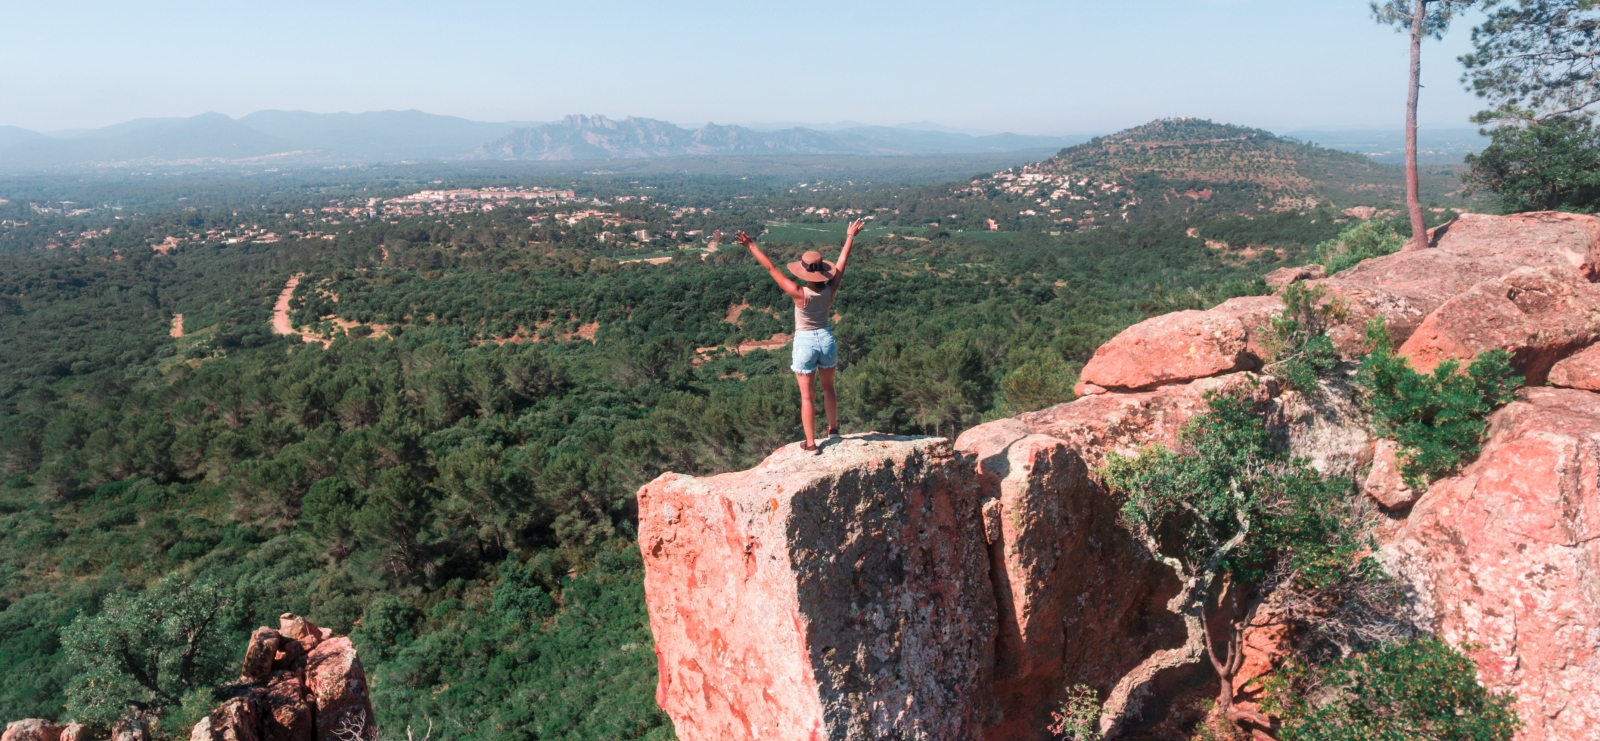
(744, 239)
(855, 227)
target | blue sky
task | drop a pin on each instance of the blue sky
(1029, 66)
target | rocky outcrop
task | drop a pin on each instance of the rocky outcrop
(844, 596)
(1579, 371)
(1052, 537)
(1505, 558)
(910, 588)
(1406, 287)
(338, 689)
(1282, 277)
(1539, 315)
(32, 729)
(298, 684)
(1184, 346)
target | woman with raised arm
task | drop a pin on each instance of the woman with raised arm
(814, 350)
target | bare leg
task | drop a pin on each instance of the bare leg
(808, 410)
(830, 400)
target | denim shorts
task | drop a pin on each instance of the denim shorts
(813, 349)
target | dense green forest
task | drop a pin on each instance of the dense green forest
(459, 503)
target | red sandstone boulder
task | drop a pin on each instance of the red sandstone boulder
(1171, 348)
(259, 655)
(338, 687)
(1574, 237)
(1052, 537)
(1579, 371)
(32, 729)
(1505, 557)
(1282, 277)
(1384, 483)
(131, 730)
(289, 714)
(1539, 315)
(1183, 346)
(832, 596)
(76, 732)
(240, 718)
(300, 630)
(1404, 288)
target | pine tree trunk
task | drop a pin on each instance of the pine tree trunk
(1419, 229)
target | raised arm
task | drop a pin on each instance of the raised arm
(783, 281)
(844, 255)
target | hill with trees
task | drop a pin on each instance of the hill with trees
(1188, 167)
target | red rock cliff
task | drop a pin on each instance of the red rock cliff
(909, 588)
(840, 597)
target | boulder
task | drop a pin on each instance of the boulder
(836, 596)
(1404, 288)
(240, 718)
(131, 730)
(1282, 277)
(76, 732)
(1172, 348)
(1505, 560)
(1184, 346)
(1539, 315)
(1052, 537)
(32, 729)
(1384, 483)
(1578, 371)
(338, 687)
(1574, 239)
(300, 630)
(1328, 426)
(259, 655)
(289, 714)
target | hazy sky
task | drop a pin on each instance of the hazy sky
(1029, 66)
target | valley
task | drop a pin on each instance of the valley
(414, 404)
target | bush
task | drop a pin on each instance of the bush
(1419, 690)
(1438, 418)
(1544, 166)
(1359, 242)
(1297, 339)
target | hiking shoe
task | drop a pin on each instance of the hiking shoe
(833, 432)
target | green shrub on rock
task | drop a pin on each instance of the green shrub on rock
(1417, 690)
(1438, 418)
(1359, 242)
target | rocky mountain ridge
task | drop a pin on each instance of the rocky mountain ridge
(599, 138)
(269, 138)
(919, 588)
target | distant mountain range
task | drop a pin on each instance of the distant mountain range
(299, 137)
(598, 137)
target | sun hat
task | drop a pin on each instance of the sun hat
(812, 267)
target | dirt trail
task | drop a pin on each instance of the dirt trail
(177, 326)
(280, 310)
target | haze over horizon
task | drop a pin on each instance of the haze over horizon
(1024, 66)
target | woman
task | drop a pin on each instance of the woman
(814, 348)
